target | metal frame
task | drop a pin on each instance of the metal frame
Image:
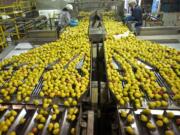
(102, 5)
(3, 42)
(15, 10)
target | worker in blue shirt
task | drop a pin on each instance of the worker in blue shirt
(136, 13)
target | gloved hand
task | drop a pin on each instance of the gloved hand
(73, 22)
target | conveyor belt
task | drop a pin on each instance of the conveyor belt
(140, 127)
(162, 82)
(37, 89)
(29, 113)
(99, 111)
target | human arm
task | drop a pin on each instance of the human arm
(67, 18)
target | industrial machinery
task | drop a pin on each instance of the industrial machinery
(103, 5)
(96, 29)
(101, 113)
(2, 39)
(19, 17)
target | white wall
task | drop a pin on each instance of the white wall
(49, 13)
(171, 19)
(50, 4)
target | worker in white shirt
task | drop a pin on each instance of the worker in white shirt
(64, 18)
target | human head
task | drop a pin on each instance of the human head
(132, 3)
(69, 7)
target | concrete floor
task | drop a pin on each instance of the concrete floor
(6, 51)
(160, 37)
(11, 50)
(172, 45)
(172, 41)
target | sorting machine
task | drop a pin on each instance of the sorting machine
(101, 115)
(99, 112)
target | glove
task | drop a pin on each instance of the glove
(73, 22)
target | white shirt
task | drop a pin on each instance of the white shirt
(64, 18)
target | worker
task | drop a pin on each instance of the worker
(136, 14)
(64, 18)
(96, 19)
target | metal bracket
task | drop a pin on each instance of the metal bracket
(90, 125)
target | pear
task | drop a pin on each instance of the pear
(170, 115)
(150, 126)
(130, 118)
(169, 132)
(159, 123)
(130, 130)
(123, 114)
(143, 118)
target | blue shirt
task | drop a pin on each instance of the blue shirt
(137, 14)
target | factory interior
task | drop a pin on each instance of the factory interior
(89, 67)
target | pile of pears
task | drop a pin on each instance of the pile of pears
(55, 65)
(140, 83)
